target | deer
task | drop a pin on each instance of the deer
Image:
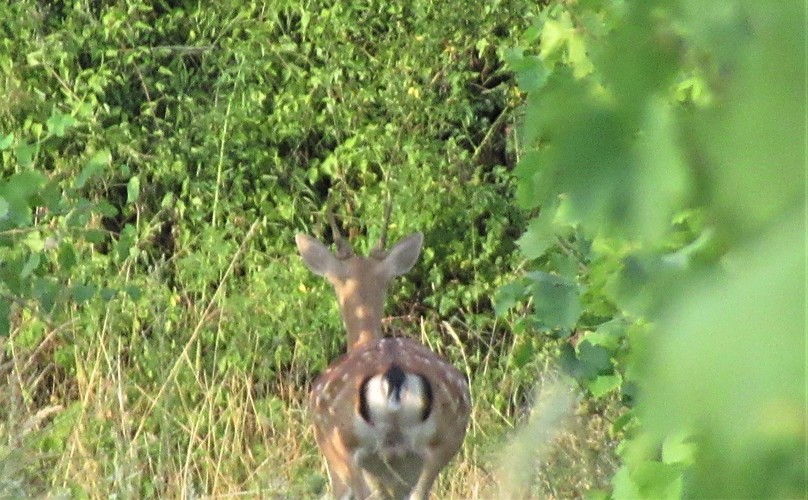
(390, 414)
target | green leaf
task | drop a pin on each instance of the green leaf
(756, 138)
(25, 154)
(67, 256)
(508, 295)
(51, 196)
(5, 310)
(6, 141)
(540, 235)
(657, 480)
(623, 487)
(754, 359)
(82, 292)
(23, 185)
(530, 72)
(603, 384)
(64, 424)
(556, 300)
(134, 292)
(623, 421)
(554, 36)
(106, 209)
(33, 240)
(108, 293)
(522, 354)
(95, 235)
(608, 335)
(533, 188)
(678, 448)
(126, 242)
(30, 265)
(596, 359)
(132, 189)
(94, 165)
(662, 182)
(58, 123)
(46, 290)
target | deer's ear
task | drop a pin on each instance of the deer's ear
(317, 257)
(403, 255)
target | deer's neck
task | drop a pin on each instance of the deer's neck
(362, 318)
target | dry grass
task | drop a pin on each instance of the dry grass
(100, 433)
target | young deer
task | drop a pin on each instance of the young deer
(390, 414)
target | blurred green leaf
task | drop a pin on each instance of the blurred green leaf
(106, 209)
(678, 448)
(751, 140)
(658, 480)
(522, 355)
(97, 163)
(58, 123)
(539, 236)
(5, 310)
(607, 335)
(82, 292)
(555, 300)
(603, 384)
(754, 404)
(133, 292)
(596, 359)
(108, 294)
(31, 263)
(125, 242)
(132, 189)
(46, 291)
(67, 256)
(508, 295)
(25, 154)
(33, 240)
(529, 70)
(96, 235)
(4, 207)
(6, 141)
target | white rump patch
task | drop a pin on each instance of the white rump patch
(403, 409)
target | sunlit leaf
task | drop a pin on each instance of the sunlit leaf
(94, 166)
(604, 384)
(58, 123)
(539, 236)
(6, 141)
(132, 189)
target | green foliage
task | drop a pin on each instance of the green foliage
(158, 332)
(664, 163)
(43, 228)
(156, 163)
